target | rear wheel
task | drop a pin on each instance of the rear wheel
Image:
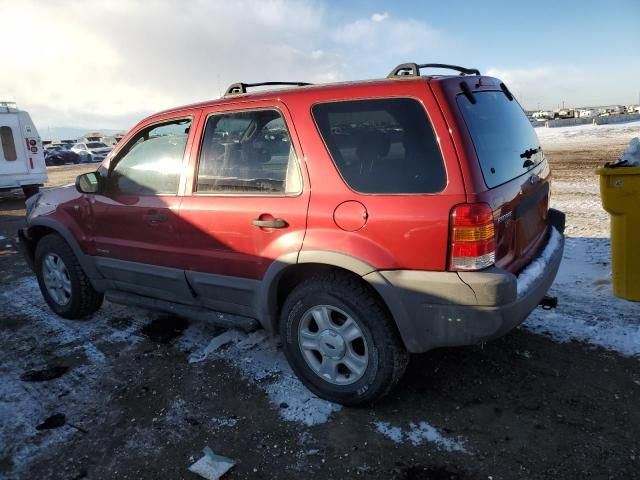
(30, 190)
(340, 340)
(63, 283)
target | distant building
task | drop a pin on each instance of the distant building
(566, 113)
(587, 113)
(542, 115)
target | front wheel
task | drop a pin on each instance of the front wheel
(63, 283)
(340, 340)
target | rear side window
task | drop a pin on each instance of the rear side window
(248, 152)
(8, 145)
(382, 146)
(505, 142)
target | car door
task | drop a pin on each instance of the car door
(135, 218)
(245, 204)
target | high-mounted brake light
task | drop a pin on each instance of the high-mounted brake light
(473, 243)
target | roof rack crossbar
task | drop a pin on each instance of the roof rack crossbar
(240, 88)
(413, 69)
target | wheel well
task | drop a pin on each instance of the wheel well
(36, 233)
(296, 274)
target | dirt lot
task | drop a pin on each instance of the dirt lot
(521, 407)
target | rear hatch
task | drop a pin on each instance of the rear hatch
(505, 167)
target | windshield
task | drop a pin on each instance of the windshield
(505, 142)
(96, 145)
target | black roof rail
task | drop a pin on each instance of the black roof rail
(413, 69)
(240, 88)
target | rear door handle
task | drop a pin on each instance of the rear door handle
(275, 223)
(155, 217)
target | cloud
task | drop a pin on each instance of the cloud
(108, 64)
(548, 86)
(388, 37)
(379, 17)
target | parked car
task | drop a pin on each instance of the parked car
(21, 156)
(60, 154)
(91, 151)
(430, 200)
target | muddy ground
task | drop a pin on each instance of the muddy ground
(524, 406)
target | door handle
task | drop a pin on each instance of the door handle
(155, 217)
(274, 223)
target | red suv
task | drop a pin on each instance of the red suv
(361, 220)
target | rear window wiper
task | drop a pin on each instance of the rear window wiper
(528, 154)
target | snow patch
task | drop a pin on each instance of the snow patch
(23, 405)
(419, 433)
(587, 309)
(530, 275)
(631, 154)
(611, 334)
(260, 360)
(581, 135)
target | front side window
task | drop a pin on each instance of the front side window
(151, 163)
(383, 146)
(8, 145)
(248, 153)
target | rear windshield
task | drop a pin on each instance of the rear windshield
(505, 142)
(96, 145)
(382, 146)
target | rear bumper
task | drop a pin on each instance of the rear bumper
(441, 309)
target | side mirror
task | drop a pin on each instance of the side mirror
(88, 182)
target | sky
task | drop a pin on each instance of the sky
(109, 63)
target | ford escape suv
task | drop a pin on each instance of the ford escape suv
(360, 221)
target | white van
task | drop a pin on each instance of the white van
(21, 154)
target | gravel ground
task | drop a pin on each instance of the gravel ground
(532, 405)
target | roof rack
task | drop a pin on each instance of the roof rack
(240, 88)
(413, 69)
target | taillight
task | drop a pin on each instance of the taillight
(473, 242)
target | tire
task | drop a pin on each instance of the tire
(74, 297)
(30, 190)
(377, 356)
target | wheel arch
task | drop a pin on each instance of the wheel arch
(286, 273)
(40, 227)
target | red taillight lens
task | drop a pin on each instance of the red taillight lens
(472, 237)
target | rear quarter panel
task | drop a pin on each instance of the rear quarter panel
(401, 231)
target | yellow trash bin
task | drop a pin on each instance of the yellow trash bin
(620, 192)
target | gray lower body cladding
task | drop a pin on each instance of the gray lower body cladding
(444, 309)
